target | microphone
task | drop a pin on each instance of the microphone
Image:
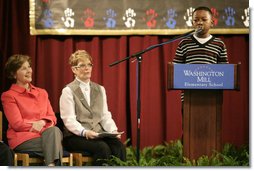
(198, 30)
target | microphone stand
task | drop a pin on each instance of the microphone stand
(139, 59)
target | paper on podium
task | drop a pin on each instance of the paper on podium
(109, 134)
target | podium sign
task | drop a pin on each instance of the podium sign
(203, 86)
(204, 76)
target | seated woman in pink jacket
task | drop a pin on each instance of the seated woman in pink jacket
(31, 119)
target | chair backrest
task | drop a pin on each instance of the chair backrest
(1, 126)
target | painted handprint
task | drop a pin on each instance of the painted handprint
(246, 17)
(47, 19)
(110, 18)
(171, 14)
(129, 18)
(229, 18)
(150, 18)
(215, 16)
(188, 16)
(88, 18)
(67, 19)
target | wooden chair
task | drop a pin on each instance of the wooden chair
(30, 158)
(79, 158)
(26, 159)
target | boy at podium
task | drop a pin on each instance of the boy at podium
(201, 47)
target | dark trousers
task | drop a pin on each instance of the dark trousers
(6, 155)
(101, 148)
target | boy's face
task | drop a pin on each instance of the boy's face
(202, 19)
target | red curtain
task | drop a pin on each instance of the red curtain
(161, 118)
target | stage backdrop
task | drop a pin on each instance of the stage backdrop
(160, 109)
(125, 17)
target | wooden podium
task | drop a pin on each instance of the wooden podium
(202, 114)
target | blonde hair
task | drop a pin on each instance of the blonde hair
(15, 62)
(77, 56)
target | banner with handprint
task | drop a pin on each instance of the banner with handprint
(128, 17)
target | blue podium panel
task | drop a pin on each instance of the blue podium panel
(203, 76)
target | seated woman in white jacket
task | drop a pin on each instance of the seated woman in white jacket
(84, 111)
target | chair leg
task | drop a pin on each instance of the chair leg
(71, 160)
(25, 158)
(68, 160)
(15, 160)
(22, 157)
(77, 157)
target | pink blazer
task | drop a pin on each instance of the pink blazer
(21, 107)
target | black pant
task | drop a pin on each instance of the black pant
(6, 155)
(101, 148)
